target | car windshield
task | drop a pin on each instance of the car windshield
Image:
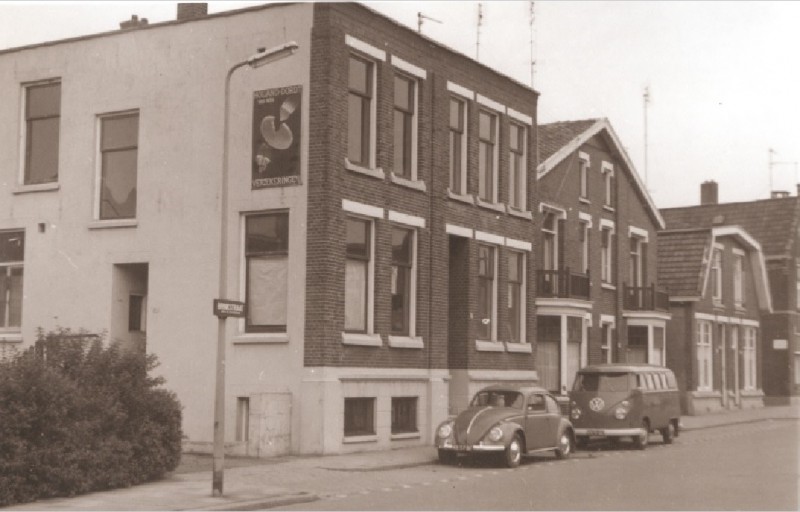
(498, 399)
(602, 382)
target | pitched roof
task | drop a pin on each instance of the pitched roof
(559, 140)
(773, 222)
(681, 261)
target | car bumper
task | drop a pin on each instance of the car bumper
(472, 447)
(609, 432)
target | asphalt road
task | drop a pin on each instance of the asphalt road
(744, 467)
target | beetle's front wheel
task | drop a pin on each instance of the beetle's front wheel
(564, 449)
(513, 453)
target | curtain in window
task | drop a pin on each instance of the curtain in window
(355, 295)
(267, 287)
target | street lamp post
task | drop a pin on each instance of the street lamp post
(256, 60)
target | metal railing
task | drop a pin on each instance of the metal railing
(562, 284)
(645, 298)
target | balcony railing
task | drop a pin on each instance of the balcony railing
(562, 284)
(645, 298)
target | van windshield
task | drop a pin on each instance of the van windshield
(602, 382)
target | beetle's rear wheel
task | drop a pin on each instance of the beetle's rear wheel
(564, 449)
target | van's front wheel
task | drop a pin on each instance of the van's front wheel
(641, 441)
(667, 433)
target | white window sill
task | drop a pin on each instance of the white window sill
(360, 439)
(751, 393)
(405, 435)
(608, 286)
(706, 394)
(522, 348)
(717, 304)
(584, 200)
(524, 214)
(39, 187)
(608, 208)
(11, 337)
(464, 198)
(112, 224)
(498, 207)
(740, 308)
(374, 173)
(406, 342)
(489, 346)
(413, 184)
(367, 340)
(261, 337)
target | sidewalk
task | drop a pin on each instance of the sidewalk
(296, 479)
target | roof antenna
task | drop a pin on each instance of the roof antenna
(772, 163)
(646, 103)
(421, 17)
(533, 54)
(478, 36)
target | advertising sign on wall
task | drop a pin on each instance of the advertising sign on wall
(276, 137)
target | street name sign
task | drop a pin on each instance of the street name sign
(225, 308)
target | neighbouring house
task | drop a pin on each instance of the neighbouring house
(596, 294)
(774, 225)
(380, 218)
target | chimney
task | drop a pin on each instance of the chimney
(779, 194)
(190, 11)
(709, 192)
(798, 190)
(134, 22)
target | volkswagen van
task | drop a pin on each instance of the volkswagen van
(624, 400)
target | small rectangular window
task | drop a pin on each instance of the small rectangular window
(42, 126)
(359, 416)
(243, 419)
(119, 148)
(404, 415)
(12, 256)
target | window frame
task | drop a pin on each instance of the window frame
(359, 400)
(100, 168)
(521, 286)
(368, 140)
(403, 402)
(283, 253)
(608, 327)
(493, 142)
(411, 282)
(550, 236)
(584, 167)
(738, 278)
(370, 277)
(636, 261)
(413, 125)
(715, 273)
(607, 170)
(704, 340)
(584, 230)
(607, 233)
(25, 137)
(750, 358)
(490, 284)
(7, 268)
(461, 136)
(518, 184)
(242, 419)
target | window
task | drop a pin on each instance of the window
(516, 297)
(635, 264)
(360, 117)
(583, 239)
(458, 146)
(796, 368)
(575, 326)
(267, 269)
(119, 148)
(637, 344)
(359, 416)
(136, 312)
(797, 298)
(749, 358)
(704, 356)
(486, 293)
(42, 119)
(517, 175)
(404, 415)
(607, 342)
(738, 280)
(716, 274)
(548, 351)
(405, 133)
(583, 172)
(487, 148)
(357, 275)
(606, 255)
(608, 184)
(550, 241)
(402, 280)
(12, 255)
(243, 419)
(658, 355)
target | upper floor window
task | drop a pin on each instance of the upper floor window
(487, 156)
(550, 241)
(487, 293)
(636, 264)
(515, 318)
(704, 356)
(607, 254)
(358, 275)
(403, 282)
(583, 239)
(583, 173)
(267, 271)
(12, 255)
(360, 112)
(797, 298)
(749, 358)
(458, 146)
(405, 131)
(608, 184)
(119, 148)
(42, 118)
(716, 274)
(738, 280)
(517, 176)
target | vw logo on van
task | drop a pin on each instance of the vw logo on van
(596, 404)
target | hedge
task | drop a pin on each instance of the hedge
(78, 415)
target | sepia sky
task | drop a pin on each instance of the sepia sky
(724, 77)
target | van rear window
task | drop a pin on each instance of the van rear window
(602, 382)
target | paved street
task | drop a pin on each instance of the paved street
(744, 467)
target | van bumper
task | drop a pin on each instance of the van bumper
(609, 432)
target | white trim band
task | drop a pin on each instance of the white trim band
(452, 229)
(641, 233)
(489, 237)
(362, 209)
(408, 220)
(490, 103)
(365, 48)
(518, 244)
(519, 116)
(409, 68)
(461, 91)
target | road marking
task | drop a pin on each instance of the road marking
(387, 489)
(340, 496)
(426, 483)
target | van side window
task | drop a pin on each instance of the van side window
(658, 379)
(671, 380)
(663, 377)
(640, 382)
(649, 379)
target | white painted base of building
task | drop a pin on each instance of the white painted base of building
(465, 383)
(709, 402)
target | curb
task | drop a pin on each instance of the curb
(382, 468)
(730, 423)
(265, 503)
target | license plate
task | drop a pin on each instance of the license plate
(592, 432)
(462, 448)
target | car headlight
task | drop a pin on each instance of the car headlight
(575, 413)
(622, 410)
(445, 430)
(495, 434)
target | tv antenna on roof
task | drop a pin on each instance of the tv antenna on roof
(773, 163)
(422, 17)
(533, 52)
(646, 103)
(478, 35)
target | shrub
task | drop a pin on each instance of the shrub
(80, 416)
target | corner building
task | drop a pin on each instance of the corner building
(380, 216)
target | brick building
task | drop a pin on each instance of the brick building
(596, 296)
(381, 212)
(773, 224)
